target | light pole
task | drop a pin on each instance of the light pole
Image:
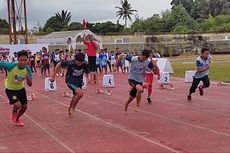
(17, 16)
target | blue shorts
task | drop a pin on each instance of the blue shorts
(74, 86)
(119, 64)
(104, 66)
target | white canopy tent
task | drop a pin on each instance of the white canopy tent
(164, 65)
(70, 38)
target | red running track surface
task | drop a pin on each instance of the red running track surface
(169, 124)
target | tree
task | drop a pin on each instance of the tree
(178, 16)
(75, 26)
(3, 23)
(152, 24)
(64, 17)
(218, 7)
(187, 4)
(219, 23)
(53, 23)
(125, 11)
(4, 26)
(107, 27)
(200, 9)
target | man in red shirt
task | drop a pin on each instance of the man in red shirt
(46, 62)
(92, 47)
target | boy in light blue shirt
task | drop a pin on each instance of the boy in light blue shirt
(103, 58)
(139, 64)
(98, 64)
(203, 64)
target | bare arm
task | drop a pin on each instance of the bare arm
(28, 81)
(87, 77)
(57, 69)
(120, 57)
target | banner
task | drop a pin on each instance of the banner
(33, 48)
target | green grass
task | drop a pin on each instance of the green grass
(218, 71)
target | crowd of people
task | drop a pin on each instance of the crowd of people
(140, 68)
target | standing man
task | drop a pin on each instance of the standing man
(91, 52)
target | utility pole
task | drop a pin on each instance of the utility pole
(17, 18)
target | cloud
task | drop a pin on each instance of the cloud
(91, 10)
(2, 4)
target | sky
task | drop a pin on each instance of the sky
(39, 11)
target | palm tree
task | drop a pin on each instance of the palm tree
(125, 11)
(64, 17)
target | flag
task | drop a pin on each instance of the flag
(84, 24)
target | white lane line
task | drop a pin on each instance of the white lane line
(113, 125)
(4, 102)
(185, 95)
(168, 118)
(50, 135)
(47, 132)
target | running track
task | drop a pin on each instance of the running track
(169, 124)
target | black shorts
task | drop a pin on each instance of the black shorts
(133, 84)
(104, 66)
(92, 63)
(98, 65)
(74, 86)
(196, 81)
(17, 96)
(46, 66)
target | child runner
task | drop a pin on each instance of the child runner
(98, 64)
(38, 59)
(118, 64)
(14, 83)
(103, 58)
(113, 61)
(74, 77)
(32, 62)
(57, 59)
(126, 65)
(139, 64)
(203, 64)
(108, 59)
(46, 62)
(149, 78)
(5, 60)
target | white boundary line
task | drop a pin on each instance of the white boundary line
(195, 106)
(185, 95)
(113, 125)
(49, 134)
(46, 131)
(171, 119)
(3, 102)
(166, 118)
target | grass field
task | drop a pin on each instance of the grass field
(219, 70)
